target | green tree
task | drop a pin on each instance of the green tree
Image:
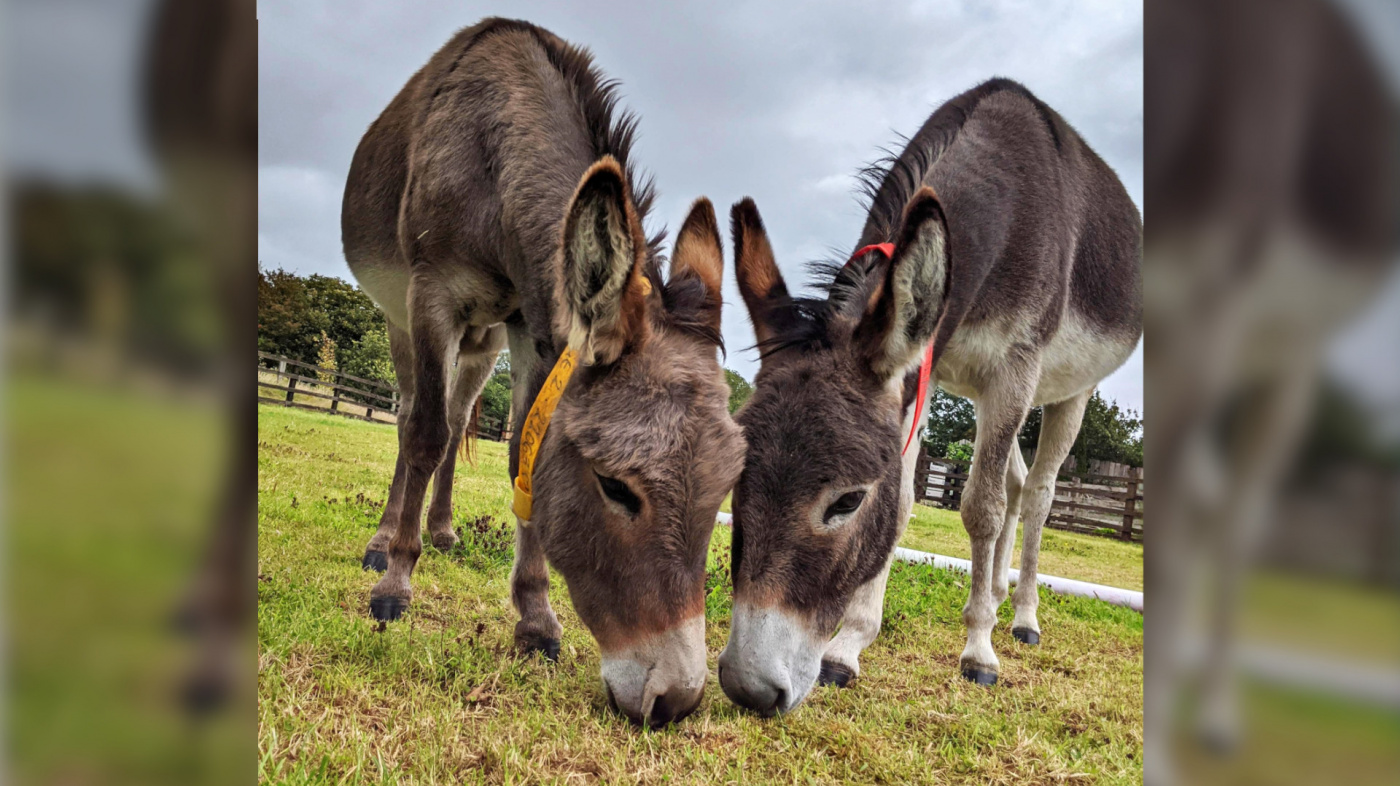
(369, 357)
(739, 390)
(288, 322)
(1108, 433)
(950, 418)
(495, 397)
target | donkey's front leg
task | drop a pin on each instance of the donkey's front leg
(538, 629)
(1001, 409)
(859, 627)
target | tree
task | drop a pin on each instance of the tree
(369, 357)
(1108, 433)
(325, 358)
(739, 390)
(950, 418)
(496, 395)
(288, 324)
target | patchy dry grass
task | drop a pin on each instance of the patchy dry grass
(439, 697)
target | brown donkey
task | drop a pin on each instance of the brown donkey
(493, 202)
(1017, 256)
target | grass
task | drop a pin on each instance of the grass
(1100, 560)
(439, 697)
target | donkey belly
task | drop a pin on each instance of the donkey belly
(1076, 359)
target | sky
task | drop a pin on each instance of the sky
(781, 102)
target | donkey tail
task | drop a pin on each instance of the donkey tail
(467, 446)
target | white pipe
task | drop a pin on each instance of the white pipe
(1119, 597)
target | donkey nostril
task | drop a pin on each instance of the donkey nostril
(779, 702)
(660, 713)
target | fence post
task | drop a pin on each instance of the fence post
(1129, 508)
(335, 395)
(281, 367)
(291, 387)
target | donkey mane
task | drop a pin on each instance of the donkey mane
(612, 131)
(885, 186)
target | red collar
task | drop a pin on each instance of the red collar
(925, 365)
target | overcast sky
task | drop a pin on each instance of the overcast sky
(781, 102)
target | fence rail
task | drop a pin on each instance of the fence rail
(1087, 503)
(379, 401)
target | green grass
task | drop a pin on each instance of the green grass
(1085, 557)
(440, 698)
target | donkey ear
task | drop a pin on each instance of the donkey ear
(604, 286)
(699, 255)
(902, 315)
(759, 280)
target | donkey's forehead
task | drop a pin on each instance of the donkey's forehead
(644, 412)
(812, 409)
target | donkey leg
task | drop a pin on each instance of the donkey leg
(859, 627)
(1059, 426)
(1006, 541)
(1001, 409)
(377, 551)
(424, 438)
(1263, 443)
(538, 629)
(474, 366)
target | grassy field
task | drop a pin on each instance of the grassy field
(1065, 554)
(439, 697)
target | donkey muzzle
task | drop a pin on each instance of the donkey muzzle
(772, 660)
(659, 679)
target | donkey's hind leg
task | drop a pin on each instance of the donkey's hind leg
(1006, 541)
(377, 552)
(475, 363)
(436, 330)
(1059, 426)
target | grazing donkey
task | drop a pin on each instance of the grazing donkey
(493, 202)
(1016, 256)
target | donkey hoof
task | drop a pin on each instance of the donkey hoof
(445, 542)
(387, 608)
(547, 647)
(979, 676)
(375, 560)
(1026, 635)
(834, 673)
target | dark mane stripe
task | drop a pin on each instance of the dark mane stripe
(886, 186)
(888, 183)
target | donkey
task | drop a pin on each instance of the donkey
(1017, 257)
(493, 203)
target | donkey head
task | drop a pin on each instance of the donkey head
(816, 507)
(641, 451)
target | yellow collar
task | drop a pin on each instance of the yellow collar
(532, 435)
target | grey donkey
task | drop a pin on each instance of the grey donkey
(493, 203)
(1018, 257)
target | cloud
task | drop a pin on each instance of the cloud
(781, 102)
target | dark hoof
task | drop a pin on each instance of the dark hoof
(1026, 635)
(204, 695)
(375, 560)
(387, 608)
(547, 647)
(979, 676)
(833, 673)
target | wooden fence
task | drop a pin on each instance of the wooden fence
(1094, 504)
(309, 386)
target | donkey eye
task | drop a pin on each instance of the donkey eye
(846, 503)
(618, 492)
